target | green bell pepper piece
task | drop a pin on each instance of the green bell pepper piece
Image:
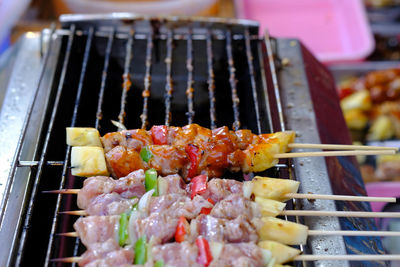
(123, 229)
(159, 263)
(150, 181)
(145, 154)
(140, 250)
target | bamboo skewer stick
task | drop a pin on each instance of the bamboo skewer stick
(289, 195)
(379, 257)
(313, 233)
(341, 147)
(352, 233)
(340, 197)
(334, 153)
(360, 214)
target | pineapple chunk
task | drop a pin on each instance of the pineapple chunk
(269, 207)
(274, 188)
(260, 157)
(281, 253)
(83, 137)
(381, 129)
(355, 119)
(282, 138)
(359, 100)
(88, 161)
(285, 232)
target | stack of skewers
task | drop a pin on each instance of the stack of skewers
(168, 208)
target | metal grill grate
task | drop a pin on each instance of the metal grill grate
(197, 73)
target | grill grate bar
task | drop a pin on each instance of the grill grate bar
(147, 80)
(99, 114)
(38, 176)
(68, 151)
(34, 163)
(232, 81)
(211, 82)
(168, 84)
(218, 35)
(189, 66)
(127, 82)
(250, 59)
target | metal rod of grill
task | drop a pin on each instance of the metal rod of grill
(99, 114)
(210, 81)
(250, 59)
(274, 79)
(168, 84)
(147, 80)
(232, 81)
(189, 67)
(127, 82)
(68, 151)
(43, 155)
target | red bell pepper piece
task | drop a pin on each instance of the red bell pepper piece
(159, 133)
(194, 157)
(198, 185)
(344, 92)
(207, 210)
(181, 228)
(204, 256)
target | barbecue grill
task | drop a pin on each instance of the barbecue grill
(144, 71)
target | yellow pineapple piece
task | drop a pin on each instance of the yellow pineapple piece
(356, 119)
(269, 207)
(88, 161)
(381, 129)
(281, 253)
(77, 136)
(260, 157)
(358, 100)
(274, 188)
(282, 231)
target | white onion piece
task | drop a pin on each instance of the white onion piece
(216, 249)
(267, 257)
(135, 215)
(255, 209)
(144, 201)
(247, 189)
(119, 125)
(193, 228)
(162, 186)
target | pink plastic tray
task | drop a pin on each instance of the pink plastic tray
(382, 189)
(334, 30)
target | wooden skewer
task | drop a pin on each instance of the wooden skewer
(64, 191)
(69, 234)
(334, 153)
(341, 147)
(391, 257)
(67, 260)
(340, 197)
(75, 212)
(364, 214)
(379, 257)
(352, 233)
(313, 233)
(360, 214)
(289, 195)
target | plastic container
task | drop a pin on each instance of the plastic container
(382, 189)
(160, 7)
(334, 30)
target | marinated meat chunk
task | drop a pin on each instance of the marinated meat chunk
(233, 206)
(176, 254)
(110, 204)
(240, 254)
(97, 229)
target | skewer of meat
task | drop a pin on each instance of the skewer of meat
(133, 186)
(198, 253)
(189, 151)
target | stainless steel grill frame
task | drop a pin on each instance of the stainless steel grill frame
(272, 88)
